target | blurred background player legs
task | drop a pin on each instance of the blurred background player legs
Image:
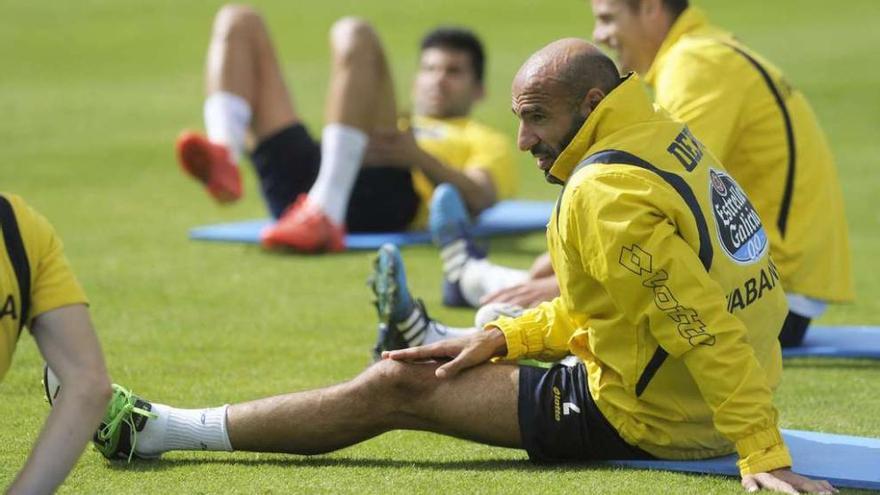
(404, 320)
(247, 95)
(469, 279)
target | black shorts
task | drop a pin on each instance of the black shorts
(560, 422)
(793, 330)
(383, 199)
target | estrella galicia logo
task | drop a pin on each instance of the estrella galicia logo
(740, 230)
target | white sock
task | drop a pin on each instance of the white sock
(438, 331)
(487, 314)
(183, 429)
(479, 277)
(492, 311)
(227, 117)
(342, 150)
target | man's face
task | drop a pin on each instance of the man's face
(446, 84)
(548, 121)
(626, 32)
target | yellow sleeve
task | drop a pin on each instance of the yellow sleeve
(53, 283)
(540, 333)
(701, 85)
(492, 153)
(653, 275)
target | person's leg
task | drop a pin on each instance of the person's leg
(793, 330)
(467, 275)
(360, 99)
(480, 405)
(241, 62)
(403, 320)
(245, 93)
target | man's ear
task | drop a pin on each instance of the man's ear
(592, 99)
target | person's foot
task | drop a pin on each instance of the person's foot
(403, 321)
(305, 228)
(450, 225)
(126, 416)
(211, 164)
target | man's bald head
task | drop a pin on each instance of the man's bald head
(555, 91)
(570, 65)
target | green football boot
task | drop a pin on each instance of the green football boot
(126, 415)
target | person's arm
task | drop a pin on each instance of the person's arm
(400, 149)
(68, 343)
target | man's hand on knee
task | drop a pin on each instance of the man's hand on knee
(464, 352)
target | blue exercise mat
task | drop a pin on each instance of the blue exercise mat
(845, 461)
(843, 342)
(506, 217)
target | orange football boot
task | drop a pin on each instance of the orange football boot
(210, 164)
(304, 227)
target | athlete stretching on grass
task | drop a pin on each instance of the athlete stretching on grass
(39, 291)
(745, 111)
(664, 369)
(317, 191)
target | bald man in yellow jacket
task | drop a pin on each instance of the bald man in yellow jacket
(742, 108)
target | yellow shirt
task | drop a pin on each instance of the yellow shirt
(668, 293)
(52, 283)
(462, 144)
(765, 133)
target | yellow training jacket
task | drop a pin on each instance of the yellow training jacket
(35, 276)
(668, 293)
(462, 143)
(765, 133)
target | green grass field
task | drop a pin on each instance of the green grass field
(94, 92)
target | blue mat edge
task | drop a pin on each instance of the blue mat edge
(508, 217)
(726, 465)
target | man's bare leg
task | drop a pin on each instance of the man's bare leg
(245, 95)
(241, 61)
(479, 404)
(360, 99)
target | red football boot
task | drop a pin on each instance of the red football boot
(304, 227)
(210, 164)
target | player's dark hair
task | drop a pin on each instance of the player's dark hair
(674, 7)
(459, 39)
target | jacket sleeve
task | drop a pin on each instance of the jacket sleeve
(702, 86)
(540, 333)
(632, 246)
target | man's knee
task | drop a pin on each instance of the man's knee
(233, 19)
(354, 39)
(398, 383)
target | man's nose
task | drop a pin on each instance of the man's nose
(525, 138)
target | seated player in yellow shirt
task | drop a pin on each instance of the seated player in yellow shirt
(645, 260)
(318, 190)
(761, 127)
(39, 292)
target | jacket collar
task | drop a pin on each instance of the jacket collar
(689, 21)
(626, 104)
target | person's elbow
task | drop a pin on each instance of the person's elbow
(93, 388)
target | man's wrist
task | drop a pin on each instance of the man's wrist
(498, 340)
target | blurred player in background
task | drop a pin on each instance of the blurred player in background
(40, 292)
(318, 191)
